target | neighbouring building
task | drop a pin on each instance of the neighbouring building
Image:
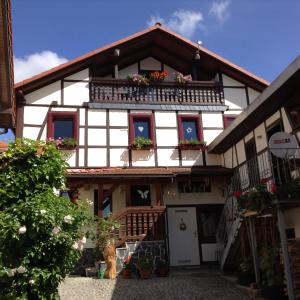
(245, 147)
(171, 190)
(7, 99)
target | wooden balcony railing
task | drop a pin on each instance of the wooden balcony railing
(124, 91)
(141, 223)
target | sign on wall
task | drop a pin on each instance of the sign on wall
(283, 144)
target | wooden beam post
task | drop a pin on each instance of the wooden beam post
(100, 200)
(159, 194)
(128, 196)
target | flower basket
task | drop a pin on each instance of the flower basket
(181, 79)
(138, 79)
(64, 143)
(158, 76)
(141, 143)
(192, 145)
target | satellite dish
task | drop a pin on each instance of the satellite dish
(283, 144)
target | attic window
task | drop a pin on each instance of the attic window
(62, 125)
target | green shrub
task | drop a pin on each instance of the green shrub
(41, 233)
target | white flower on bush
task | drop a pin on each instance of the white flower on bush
(75, 246)
(83, 240)
(68, 219)
(21, 270)
(43, 211)
(56, 230)
(80, 247)
(31, 282)
(22, 230)
(11, 272)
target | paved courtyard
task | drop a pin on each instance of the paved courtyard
(180, 285)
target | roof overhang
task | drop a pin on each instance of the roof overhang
(141, 172)
(7, 99)
(156, 41)
(281, 90)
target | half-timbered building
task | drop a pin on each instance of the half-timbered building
(139, 151)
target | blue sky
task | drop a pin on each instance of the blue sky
(259, 35)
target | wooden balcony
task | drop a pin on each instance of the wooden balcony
(141, 223)
(124, 91)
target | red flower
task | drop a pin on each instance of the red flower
(264, 180)
(273, 188)
(237, 194)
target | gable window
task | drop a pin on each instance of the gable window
(62, 125)
(141, 127)
(189, 128)
(293, 110)
(228, 120)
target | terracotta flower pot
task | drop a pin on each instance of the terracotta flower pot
(145, 274)
(126, 273)
(162, 272)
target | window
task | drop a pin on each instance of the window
(141, 126)
(228, 120)
(294, 112)
(189, 127)
(62, 124)
(140, 195)
(194, 186)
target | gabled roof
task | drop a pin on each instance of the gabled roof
(280, 91)
(162, 36)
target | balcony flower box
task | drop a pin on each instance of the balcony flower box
(141, 143)
(192, 145)
(138, 79)
(157, 76)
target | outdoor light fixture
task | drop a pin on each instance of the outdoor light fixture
(117, 52)
(197, 55)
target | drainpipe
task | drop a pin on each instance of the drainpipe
(285, 252)
(116, 55)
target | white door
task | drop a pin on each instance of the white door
(183, 236)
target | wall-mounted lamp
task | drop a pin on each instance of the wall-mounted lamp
(197, 55)
(117, 52)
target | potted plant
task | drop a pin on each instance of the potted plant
(158, 76)
(138, 79)
(181, 79)
(254, 201)
(192, 145)
(141, 143)
(145, 266)
(246, 275)
(127, 266)
(162, 268)
(272, 288)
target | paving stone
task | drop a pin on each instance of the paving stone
(180, 285)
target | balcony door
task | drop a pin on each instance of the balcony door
(252, 163)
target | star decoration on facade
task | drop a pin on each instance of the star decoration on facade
(189, 130)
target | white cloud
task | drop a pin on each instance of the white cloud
(182, 21)
(220, 9)
(35, 63)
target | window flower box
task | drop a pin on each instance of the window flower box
(64, 143)
(141, 143)
(192, 145)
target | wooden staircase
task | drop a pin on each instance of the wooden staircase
(139, 223)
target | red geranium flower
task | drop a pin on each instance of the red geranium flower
(237, 194)
(273, 188)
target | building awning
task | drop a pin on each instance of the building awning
(158, 172)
